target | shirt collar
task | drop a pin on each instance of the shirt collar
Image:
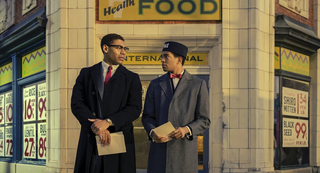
(105, 67)
(180, 73)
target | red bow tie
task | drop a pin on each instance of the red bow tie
(175, 76)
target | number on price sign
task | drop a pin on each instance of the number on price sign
(29, 152)
(9, 113)
(28, 112)
(1, 115)
(9, 145)
(42, 106)
(301, 128)
(42, 147)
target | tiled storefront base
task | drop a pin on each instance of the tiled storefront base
(20, 168)
(298, 170)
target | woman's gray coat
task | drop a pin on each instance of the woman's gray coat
(187, 106)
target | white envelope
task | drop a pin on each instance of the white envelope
(164, 129)
(116, 146)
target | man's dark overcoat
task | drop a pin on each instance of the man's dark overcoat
(188, 105)
(121, 102)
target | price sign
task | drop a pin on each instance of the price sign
(2, 142)
(42, 140)
(2, 109)
(42, 101)
(295, 132)
(295, 102)
(8, 107)
(29, 139)
(8, 142)
(29, 104)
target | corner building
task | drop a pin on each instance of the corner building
(258, 57)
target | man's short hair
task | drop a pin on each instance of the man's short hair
(177, 56)
(109, 38)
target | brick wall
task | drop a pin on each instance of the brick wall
(151, 21)
(18, 10)
(284, 11)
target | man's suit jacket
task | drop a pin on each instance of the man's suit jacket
(187, 106)
(121, 102)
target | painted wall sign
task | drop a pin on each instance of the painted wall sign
(159, 10)
(6, 74)
(294, 62)
(29, 141)
(8, 109)
(42, 140)
(295, 132)
(34, 62)
(29, 103)
(300, 7)
(2, 142)
(8, 145)
(294, 102)
(42, 100)
(155, 59)
(2, 108)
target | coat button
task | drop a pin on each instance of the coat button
(93, 93)
(93, 113)
(88, 135)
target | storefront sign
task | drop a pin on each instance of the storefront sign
(155, 59)
(29, 139)
(6, 74)
(2, 142)
(8, 145)
(277, 58)
(8, 110)
(29, 103)
(42, 140)
(159, 10)
(295, 132)
(294, 62)
(2, 118)
(294, 102)
(34, 62)
(42, 98)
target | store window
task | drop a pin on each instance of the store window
(23, 108)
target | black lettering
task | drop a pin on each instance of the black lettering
(198, 58)
(126, 58)
(124, 4)
(159, 58)
(119, 7)
(145, 58)
(202, 5)
(153, 58)
(105, 11)
(138, 58)
(131, 3)
(193, 58)
(187, 1)
(187, 58)
(164, 12)
(131, 57)
(114, 10)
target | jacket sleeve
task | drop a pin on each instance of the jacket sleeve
(79, 106)
(202, 121)
(133, 107)
(148, 116)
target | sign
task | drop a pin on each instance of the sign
(6, 74)
(2, 142)
(42, 98)
(159, 10)
(2, 118)
(34, 62)
(29, 103)
(294, 62)
(29, 139)
(42, 140)
(8, 107)
(155, 59)
(295, 132)
(8, 139)
(277, 58)
(294, 102)
(300, 7)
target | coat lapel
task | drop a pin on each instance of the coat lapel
(96, 76)
(166, 86)
(118, 73)
(184, 83)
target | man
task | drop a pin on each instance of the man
(183, 102)
(106, 98)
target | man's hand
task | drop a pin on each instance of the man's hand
(105, 137)
(158, 139)
(179, 133)
(99, 125)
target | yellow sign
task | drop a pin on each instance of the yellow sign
(6, 74)
(159, 10)
(34, 62)
(277, 57)
(155, 59)
(294, 62)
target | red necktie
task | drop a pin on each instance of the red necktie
(175, 76)
(108, 75)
